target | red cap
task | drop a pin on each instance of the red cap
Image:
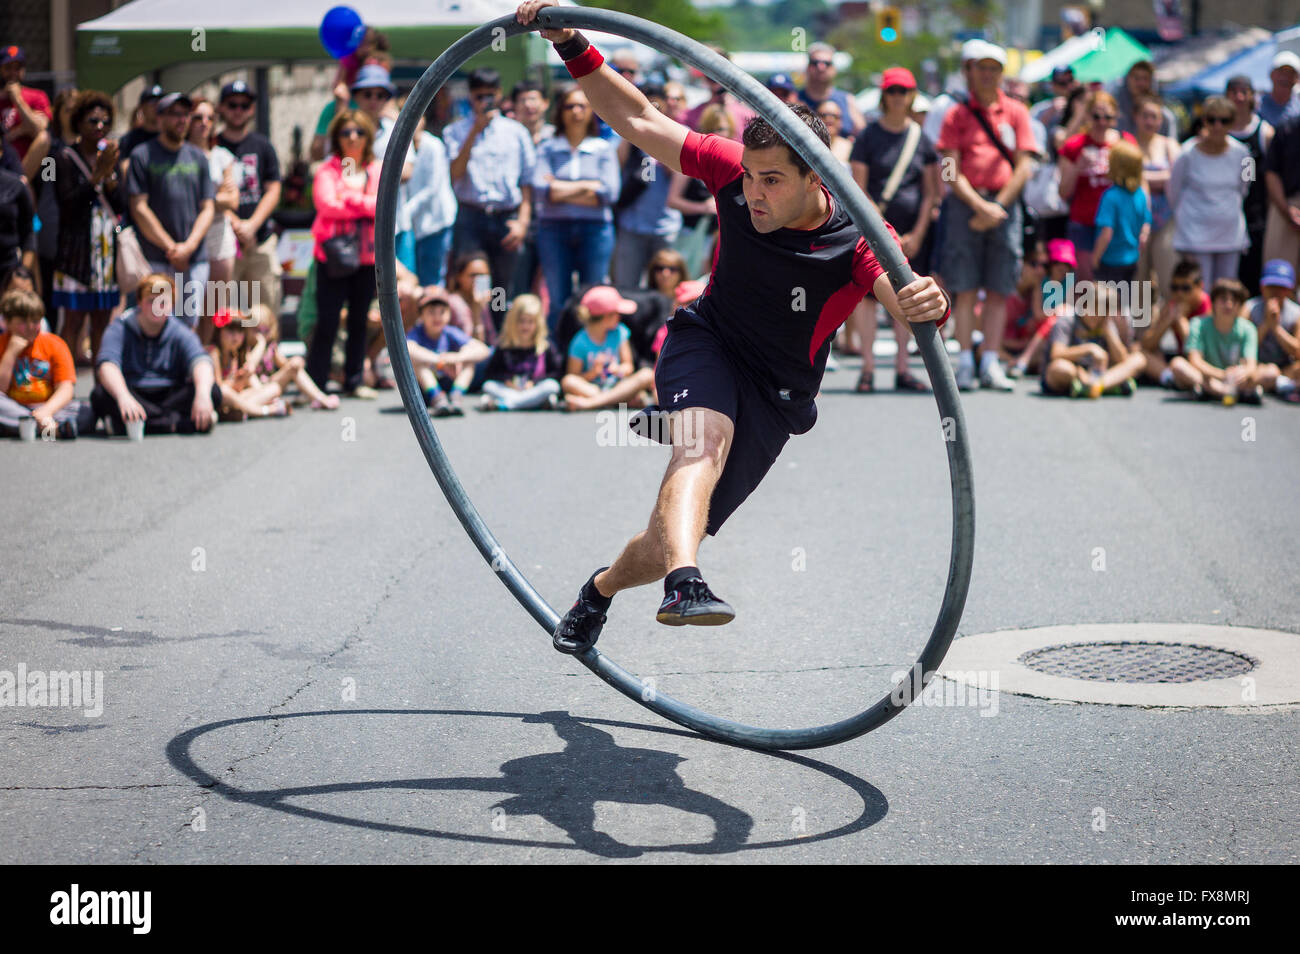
(603, 299)
(898, 76)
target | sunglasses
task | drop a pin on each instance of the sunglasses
(664, 268)
(1179, 287)
(373, 94)
(582, 106)
(238, 104)
(1103, 117)
(895, 90)
(1217, 120)
(350, 132)
(819, 63)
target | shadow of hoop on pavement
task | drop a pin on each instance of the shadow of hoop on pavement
(560, 787)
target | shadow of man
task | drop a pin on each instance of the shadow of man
(564, 787)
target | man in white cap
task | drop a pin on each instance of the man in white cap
(1282, 102)
(982, 230)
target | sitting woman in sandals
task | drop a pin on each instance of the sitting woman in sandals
(268, 361)
(600, 369)
(243, 395)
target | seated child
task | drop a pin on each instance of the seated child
(443, 355)
(1052, 298)
(600, 370)
(266, 360)
(37, 376)
(1276, 318)
(1222, 348)
(1186, 300)
(243, 395)
(523, 371)
(151, 367)
(1087, 354)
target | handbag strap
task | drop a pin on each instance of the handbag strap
(85, 170)
(983, 120)
(904, 160)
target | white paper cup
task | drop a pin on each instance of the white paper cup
(135, 430)
(27, 429)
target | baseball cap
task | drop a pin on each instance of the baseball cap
(897, 76)
(1241, 79)
(12, 54)
(1062, 250)
(152, 93)
(1287, 58)
(171, 99)
(435, 293)
(603, 299)
(781, 81)
(1278, 272)
(983, 50)
(1062, 73)
(372, 76)
(236, 88)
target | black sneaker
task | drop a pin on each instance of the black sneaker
(580, 628)
(67, 430)
(692, 603)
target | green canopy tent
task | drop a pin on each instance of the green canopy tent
(1111, 59)
(189, 43)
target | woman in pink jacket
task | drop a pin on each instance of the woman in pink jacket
(344, 193)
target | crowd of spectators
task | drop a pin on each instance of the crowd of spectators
(539, 256)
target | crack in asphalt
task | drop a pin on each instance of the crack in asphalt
(89, 788)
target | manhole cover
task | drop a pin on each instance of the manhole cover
(1137, 662)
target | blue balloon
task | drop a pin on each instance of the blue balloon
(341, 31)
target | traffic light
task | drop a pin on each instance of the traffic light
(888, 25)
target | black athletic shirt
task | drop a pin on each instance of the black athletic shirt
(775, 299)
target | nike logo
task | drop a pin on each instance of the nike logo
(818, 248)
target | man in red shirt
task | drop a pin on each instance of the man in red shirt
(24, 112)
(741, 364)
(982, 216)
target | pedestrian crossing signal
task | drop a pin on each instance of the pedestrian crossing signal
(888, 25)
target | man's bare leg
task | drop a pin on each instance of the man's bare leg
(701, 441)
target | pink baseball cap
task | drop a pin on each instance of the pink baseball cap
(898, 76)
(689, 290)
(1062, 250)
(603, 299)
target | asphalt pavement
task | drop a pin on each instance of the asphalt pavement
(305, 660)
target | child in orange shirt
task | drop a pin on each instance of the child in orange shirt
(37, 376)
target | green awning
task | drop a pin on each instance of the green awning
(1112, 59)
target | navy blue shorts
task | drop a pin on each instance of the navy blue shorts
(696, 370)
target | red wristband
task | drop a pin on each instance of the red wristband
(588, 61)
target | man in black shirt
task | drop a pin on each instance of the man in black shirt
(741, 364)
(257, 174)
(1282, 179)
(148, 128)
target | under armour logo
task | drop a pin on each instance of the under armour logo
(681, 394)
